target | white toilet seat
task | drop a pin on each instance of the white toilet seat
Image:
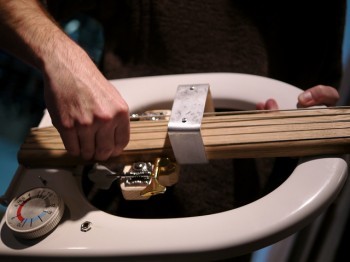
(308, 191)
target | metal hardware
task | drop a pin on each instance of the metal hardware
(155, 188)
(185, 123)
(86, 226)
(137, 181)
(138, 175)
(153, 115)
(168, 172)
(164, 173)
(103, 177)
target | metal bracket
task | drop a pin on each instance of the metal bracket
(185, 123)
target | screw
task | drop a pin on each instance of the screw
(86, 226)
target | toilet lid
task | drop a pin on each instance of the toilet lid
(311, 187)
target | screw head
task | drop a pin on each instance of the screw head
(86, 226)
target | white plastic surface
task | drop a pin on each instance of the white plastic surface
(312, 186)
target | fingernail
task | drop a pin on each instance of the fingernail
(305, 97)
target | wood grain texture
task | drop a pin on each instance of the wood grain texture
(245, 134)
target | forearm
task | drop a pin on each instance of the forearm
(27, 31)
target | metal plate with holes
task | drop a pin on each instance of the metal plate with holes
(185, 124)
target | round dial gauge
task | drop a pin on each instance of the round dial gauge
(34, 213)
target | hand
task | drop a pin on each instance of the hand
(89, 113)
(314, 96)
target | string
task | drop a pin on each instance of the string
(144, 127)
(233, 134)
(136, 116)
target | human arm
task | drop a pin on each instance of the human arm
(89, 113)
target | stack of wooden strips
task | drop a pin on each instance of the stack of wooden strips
(239, 134)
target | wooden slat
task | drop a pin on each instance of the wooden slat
(249, 134)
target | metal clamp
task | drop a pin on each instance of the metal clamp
(185, 124)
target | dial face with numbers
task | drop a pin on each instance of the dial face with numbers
(34, 213)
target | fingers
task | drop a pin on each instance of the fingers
(104, 140)
(105, 143)
(100, 145)
(121, 136)
(111, 139)
(318, 95)
(98, 141)
(270, 104)
(260, 106)
(70, 141)
(78, 140)
(86, 137)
